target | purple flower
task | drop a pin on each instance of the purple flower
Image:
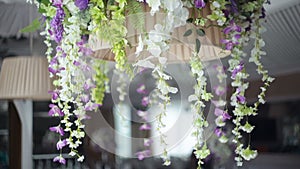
(86, 68)
(241, 99)
(58, 49)
(145, 101)
(88, 84)
(76, 63)
(54, 71)
(233, 6)
(54, 61)
(57, 129)
(60, 144)
(218, 112)
(84, 50)
(237, 69)
(219, 90)
(143, 154)
(63, 55)
(59, 159)
(145, 127)
(224, 114)
(232, 28)
(82, 4)
(85, 98)
(141, 89)
(218, 103)
(219, 132)
(228, 44)
(55, 111)
(54, 93)
(91, 106)
(234, 41)
(199, 3)
(56, 24)
(57, 3)
(83, 116)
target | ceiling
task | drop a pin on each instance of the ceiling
(282, 38)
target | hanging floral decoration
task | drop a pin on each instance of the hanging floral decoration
(71, 23)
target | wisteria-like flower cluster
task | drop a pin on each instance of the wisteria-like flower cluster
(70, 23)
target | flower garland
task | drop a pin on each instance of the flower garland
(238, 74)
(144, 115)
(110, 27)
(222, 115)
(69, 22)
(65, 21)
(156, 44)
(101, 81)
(197, 108)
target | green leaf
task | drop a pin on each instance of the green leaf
(198, 45)
(200, 32)
(188, 32)
(45, 2)
(35, 25)
(136, 14)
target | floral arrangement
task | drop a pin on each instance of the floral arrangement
(71, 23)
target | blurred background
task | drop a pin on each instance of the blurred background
(276, 135)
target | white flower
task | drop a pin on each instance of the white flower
(80, 159)
(219, 121)
(162, 87)
(181, 15)
(167, 163)
(172, 89)
(247, 128)
(144, 63)
(154, 49)
(154, 4)
(171, 5)
(248, 154)
(140, 46)
(72, 153)
(192, 98)
(223, 139)
(216, 4)
(162, 60)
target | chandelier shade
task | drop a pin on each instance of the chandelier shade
(181, 47)
(25, 77)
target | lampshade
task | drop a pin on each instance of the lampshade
(25, 78)
(181, 47)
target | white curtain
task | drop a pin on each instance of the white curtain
(14, 16)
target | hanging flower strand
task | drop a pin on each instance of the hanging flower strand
(69, 23)
(69, 69)
(238, 99)
(222, 115)
(256, 30)
(144, 115)
(197, 108)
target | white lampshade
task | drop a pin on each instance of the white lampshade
(25, 78)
